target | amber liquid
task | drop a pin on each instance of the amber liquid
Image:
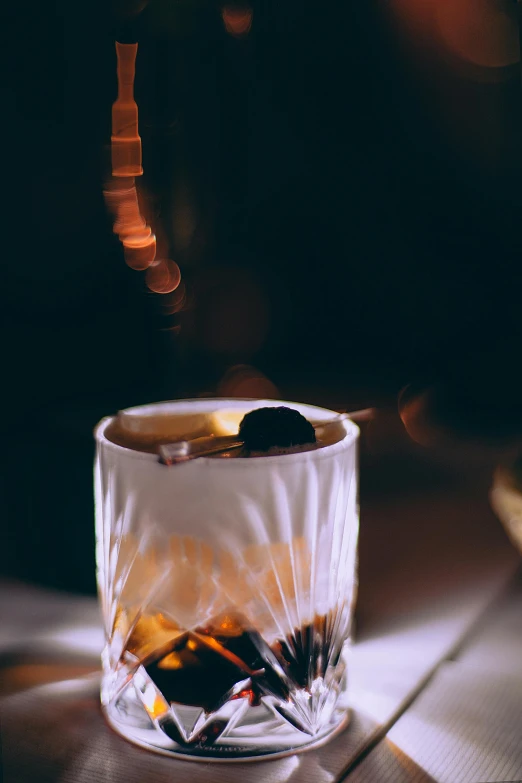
(198, 668)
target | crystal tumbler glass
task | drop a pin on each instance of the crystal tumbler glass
(227, 587)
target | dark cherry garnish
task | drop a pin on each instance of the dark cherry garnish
(281, 427)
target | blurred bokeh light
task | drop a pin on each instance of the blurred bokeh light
(243, 380)
(163, 276)
(480, 33)
(329, 209)
(237, 19)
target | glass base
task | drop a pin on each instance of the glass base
(258, 734)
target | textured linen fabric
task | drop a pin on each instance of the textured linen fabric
(466, 725)
(422, 588)
(56, 734)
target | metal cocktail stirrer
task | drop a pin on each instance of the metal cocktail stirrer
(208, 446)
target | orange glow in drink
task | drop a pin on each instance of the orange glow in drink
(227, 583)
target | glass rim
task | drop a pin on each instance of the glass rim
(351, 432)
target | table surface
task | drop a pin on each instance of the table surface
(435, 671)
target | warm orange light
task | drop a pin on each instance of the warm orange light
(173, 660)
(125, 140)
(243, 380)
(480, 32)
(163, 277)
(140, 252)
(121, 196)
(124, 205)
(237, 19)
(154, 703)
(136, 236)
(175, 301)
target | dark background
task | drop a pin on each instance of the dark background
(348, 196)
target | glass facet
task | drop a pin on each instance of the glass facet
(227, 589)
